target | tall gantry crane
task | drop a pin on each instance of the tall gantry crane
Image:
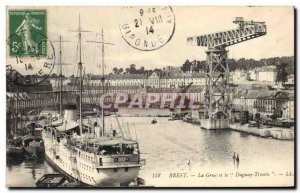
(217, 71)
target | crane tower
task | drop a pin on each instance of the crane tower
(217, 98)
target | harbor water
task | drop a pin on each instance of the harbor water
(179, 147)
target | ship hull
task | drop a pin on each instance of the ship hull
(61, 171)
(84, 172)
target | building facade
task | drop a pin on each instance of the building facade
(288, 107)
(267, 73)
(239, 76)
(263, 102)
(165, 79)
(272, 103)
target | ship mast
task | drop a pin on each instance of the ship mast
(80, 31)
(60, 73)
(102, 78)
(60, 77)
(103, 82)
(80, 79)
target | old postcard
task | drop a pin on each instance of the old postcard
(150, 97)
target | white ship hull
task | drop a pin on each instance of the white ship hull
(83, 167)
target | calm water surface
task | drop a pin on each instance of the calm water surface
(176, 146)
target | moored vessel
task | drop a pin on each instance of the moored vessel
(85, 150)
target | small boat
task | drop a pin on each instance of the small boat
(154, 121)
(137, 182)
(33, 146)
(51, 180)
(160, 115)
(189, 119)
(14, 149)
(14, 152)
(32, 142)
(174, 118)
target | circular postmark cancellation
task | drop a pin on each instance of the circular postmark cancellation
(31, 56)
(147, 28)
(29, 69)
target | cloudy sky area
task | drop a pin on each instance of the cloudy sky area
(190, 21)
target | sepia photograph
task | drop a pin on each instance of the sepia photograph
(150, 97)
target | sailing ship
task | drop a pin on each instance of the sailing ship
(85, 150)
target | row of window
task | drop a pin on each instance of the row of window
(255, 102)
(82, 175)
(86, 167)
(87, 177)
(29, 104)
(86, 157)
(266, 102)
(152, 82)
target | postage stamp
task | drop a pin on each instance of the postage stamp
(27, 29)
(147, 28)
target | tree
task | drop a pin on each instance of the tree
(141, 70)
(132, 66)
(157, 71)
(232, 64)
(197, 67)
(186, 66)
(281, 73)
(148, 72)
(115, 70)
(132, 69)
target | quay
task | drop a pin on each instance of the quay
(274, 132)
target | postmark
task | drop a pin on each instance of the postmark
(31, 56)
(147, 28)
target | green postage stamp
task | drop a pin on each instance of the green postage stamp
(27, 33)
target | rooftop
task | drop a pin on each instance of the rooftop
(163, 74)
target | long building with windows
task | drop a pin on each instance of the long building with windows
(264, 102)
(165, 79)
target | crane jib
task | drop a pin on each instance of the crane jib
(228, 38)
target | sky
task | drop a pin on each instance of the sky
(189, 21)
